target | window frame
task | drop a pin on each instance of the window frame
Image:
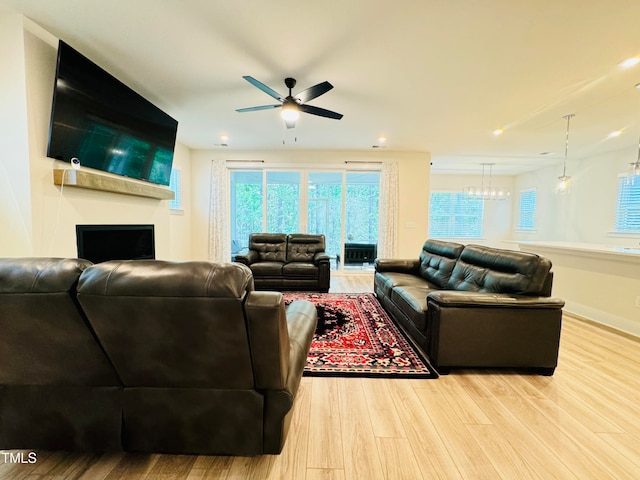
(175, 185)
(627, 223)
(531, 212)
(453, 232)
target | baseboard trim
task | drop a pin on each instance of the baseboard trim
(603, 326)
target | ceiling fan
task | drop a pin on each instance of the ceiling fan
(292, 105)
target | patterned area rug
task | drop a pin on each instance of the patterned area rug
(356, 337)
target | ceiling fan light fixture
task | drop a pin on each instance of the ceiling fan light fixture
(290, 112)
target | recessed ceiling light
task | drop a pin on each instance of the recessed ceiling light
(615, 134)
(630, 62)
(382, 139)
(498, 131)
(637, 85)
(224, 138)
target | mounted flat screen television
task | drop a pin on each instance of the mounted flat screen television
(105, 124)
(99, 243)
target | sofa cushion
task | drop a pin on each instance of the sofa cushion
(437, 260)
(302, 247)
(267, 269)
(300, 269)
(484, 269)
(271, 247)
(387, 281)
(412, 300)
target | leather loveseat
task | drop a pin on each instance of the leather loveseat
(474, 306)
(294, 262)
(146, 356)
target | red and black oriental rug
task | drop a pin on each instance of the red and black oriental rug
(355, 337)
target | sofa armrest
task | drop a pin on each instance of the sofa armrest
(457, 299)
(280, 340)
(471, 329)
(320, 257)
(397, 265)
(302, 319)
(247, 258)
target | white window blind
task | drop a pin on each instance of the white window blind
(628, 205)
(455, 215)
(174, 186)
(527, 210)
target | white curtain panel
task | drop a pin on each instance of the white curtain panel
(388, 226)
(219, 218)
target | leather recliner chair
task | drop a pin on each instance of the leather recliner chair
(58, 390)
(208, 365)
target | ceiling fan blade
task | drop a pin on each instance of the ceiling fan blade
(255, 109)
(314, 92)
(263, 87)
(321, 112)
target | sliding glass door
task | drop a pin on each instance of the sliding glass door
(246, 189)
(324, 210)
(283, 202)
(342, 205)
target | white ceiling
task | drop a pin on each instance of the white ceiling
(430, 75)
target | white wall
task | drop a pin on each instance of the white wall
(15, 190)
(497, 228)
(52, 212)
(587, 213)
(602, 288)
(180, 225)
(413, 173)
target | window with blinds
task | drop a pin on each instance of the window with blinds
(527, 210)
(175, 205)
(628, 205)
(455, 215)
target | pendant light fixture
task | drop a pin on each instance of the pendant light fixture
(564, 186)
(488, 192)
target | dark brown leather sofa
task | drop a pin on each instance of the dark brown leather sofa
(474, 306)
(147, 356)
(294, 262)
(58, 389)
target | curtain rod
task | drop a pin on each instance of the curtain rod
(359, 161)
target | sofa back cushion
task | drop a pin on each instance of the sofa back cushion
(171, 324)
(271, 247)
(492, 270)
(437, 261)
(45, 338)
(303, 247)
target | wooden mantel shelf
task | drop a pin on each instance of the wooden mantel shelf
(93, 181)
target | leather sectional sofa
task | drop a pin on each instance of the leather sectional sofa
(146, 356)
(294, 262)
(474, 306)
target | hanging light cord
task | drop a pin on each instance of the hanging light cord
(566, 145)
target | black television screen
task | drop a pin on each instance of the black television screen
(105, 124)
(99, 243)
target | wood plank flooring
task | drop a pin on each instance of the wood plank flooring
(582, 423)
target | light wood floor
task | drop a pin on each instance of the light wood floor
(582, 423)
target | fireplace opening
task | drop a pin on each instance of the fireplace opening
(99, 243)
